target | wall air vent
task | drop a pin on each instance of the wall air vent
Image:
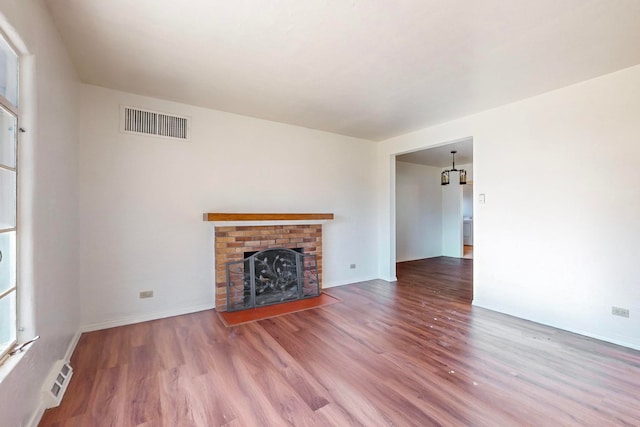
(154, 123)
(57, 382)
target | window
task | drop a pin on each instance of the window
(8, 195)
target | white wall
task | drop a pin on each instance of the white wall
(467, 201)
(418, 212)
(452, 213)
(467, 213)
(142, 200)
(47, 207)
(556, 240)
(452, 217)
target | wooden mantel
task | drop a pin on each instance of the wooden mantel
(266, 216)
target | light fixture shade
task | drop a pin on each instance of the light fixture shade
(444, 178)
(463, 176)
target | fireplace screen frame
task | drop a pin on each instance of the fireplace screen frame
(267, 275)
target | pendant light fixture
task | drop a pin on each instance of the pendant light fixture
(444, 176)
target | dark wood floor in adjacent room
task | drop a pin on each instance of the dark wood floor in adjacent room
(411, 353)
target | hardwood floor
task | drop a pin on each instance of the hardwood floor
(442, 277)
(411, 353)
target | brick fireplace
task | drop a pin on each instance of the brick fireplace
(233, 241)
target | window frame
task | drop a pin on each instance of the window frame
(13, 110)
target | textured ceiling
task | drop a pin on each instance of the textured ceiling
(441, 156)
(365, 68)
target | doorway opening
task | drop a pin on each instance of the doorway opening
(434, 219)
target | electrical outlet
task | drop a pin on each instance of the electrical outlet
(146, 294)
(617, 311)
(352, 266)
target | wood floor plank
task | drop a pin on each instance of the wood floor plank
(108, 397)
(309, 390)
(409, 353)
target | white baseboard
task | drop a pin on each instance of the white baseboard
(72, 346)
(37, 415)
(130, 320)
(481, 304)
(417, 258)
(39, 412)
(346, 282)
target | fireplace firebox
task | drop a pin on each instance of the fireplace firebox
(271, 276)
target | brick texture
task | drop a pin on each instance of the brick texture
(230, 244)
